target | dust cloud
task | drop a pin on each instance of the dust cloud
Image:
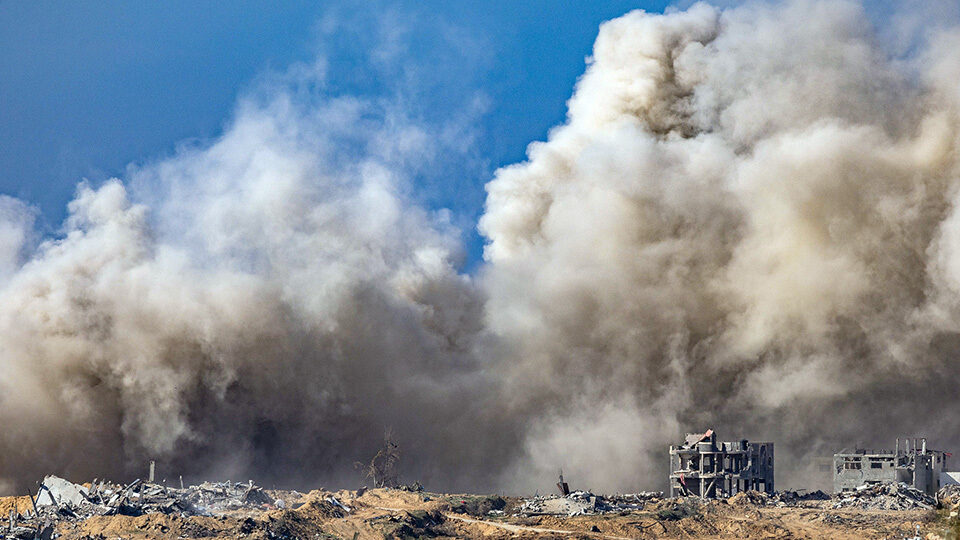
(748, 222)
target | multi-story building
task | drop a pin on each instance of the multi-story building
(911, 463)
(703, 467)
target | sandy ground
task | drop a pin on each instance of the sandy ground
(401, 514)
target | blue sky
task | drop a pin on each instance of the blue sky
(87, 88)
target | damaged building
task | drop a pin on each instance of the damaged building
(703, 467)
(911, 463)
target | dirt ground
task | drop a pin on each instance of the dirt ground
(399, 514)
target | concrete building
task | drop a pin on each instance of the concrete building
(703, 467)
(911, 463)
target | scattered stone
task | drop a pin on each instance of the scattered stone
(255, 495)
(476, 505)
(61, 500)
(680, 508)
(889, 496)
(584, 502)
(749, 497)
(949, 496)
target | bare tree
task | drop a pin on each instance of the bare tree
(383, 468)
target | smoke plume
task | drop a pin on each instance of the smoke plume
(266, 307)
(748, 222)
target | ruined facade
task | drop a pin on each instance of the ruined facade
(703, 467)
(911, 463)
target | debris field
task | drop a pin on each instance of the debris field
(104, 510)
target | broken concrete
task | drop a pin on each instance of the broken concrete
(60, 500)
(898, 496)
(584, 502)
(55, 491)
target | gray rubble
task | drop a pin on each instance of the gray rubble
(58, 500)
(949, 495)
(584, 502)
(883, 496)
(779, 498)
(887, 496)
(871, 497)
(792, 498)
(56, 491)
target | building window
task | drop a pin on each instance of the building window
(876, 465)
(851, 465)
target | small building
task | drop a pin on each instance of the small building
(911, 463)
(705, 468)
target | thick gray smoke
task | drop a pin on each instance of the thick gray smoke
(747, 222)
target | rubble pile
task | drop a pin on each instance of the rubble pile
(791, 498)
(949, 496)
(750, 497)
(889, 496)
(476, 505)
(61, 500)
(631, 501)
(584, 502)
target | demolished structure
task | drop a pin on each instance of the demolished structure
(912, 464)
(703, 467)
(60, 500)
(585, 503)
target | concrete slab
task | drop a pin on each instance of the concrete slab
(61, 492)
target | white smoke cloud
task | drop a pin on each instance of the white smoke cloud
(16, 234)
(746, 222)
(263, 305)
